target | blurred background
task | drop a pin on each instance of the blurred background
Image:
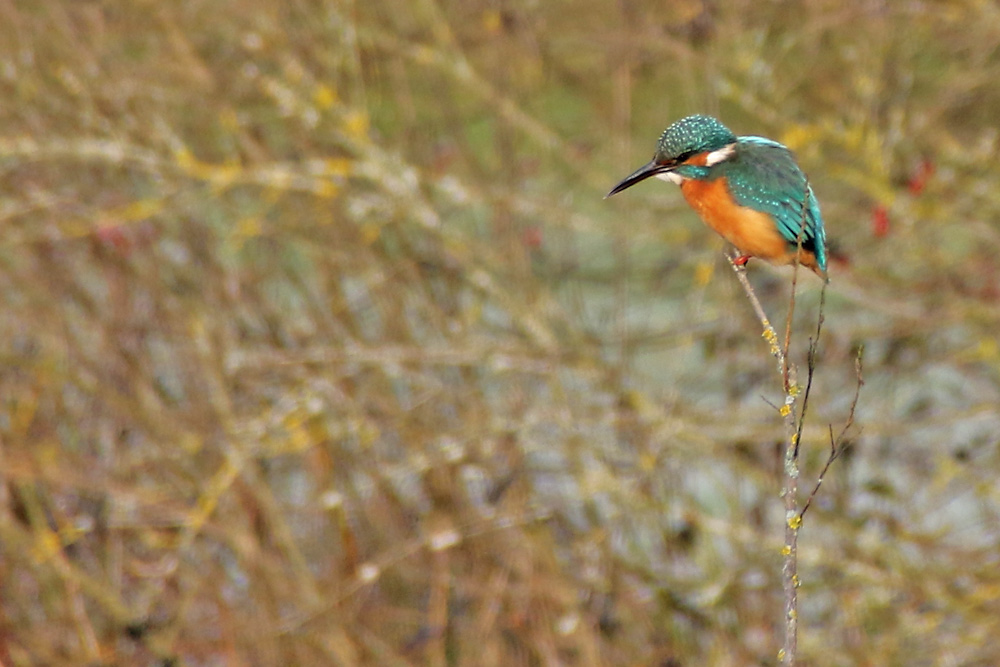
(321, 347)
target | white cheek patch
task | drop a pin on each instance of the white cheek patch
(671, 177)
(724, 153)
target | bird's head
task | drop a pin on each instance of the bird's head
(683, 140)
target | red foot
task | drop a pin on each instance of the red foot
(741, 260)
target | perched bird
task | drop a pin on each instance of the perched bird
(748, 189)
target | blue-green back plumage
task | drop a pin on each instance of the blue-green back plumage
(763, 175)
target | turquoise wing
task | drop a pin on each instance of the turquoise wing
(764, 176)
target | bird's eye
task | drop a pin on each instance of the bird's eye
(683, 157)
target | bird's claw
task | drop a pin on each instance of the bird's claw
(741, 260)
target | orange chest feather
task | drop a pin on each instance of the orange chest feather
(751, 231)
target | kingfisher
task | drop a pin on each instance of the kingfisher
(748, 189)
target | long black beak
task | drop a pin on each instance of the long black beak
(641, 174)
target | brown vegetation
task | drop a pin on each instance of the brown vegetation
(320, 345)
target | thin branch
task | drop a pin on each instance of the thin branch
(839, 444)
(770, 335)
(795, 281)
(811, 367)
(788, 326)
(790, 491)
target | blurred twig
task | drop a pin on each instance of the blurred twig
(839, 444)
(791, 298)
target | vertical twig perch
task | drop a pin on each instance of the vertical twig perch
(790, 490)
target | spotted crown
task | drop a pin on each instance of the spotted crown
(692, 135)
